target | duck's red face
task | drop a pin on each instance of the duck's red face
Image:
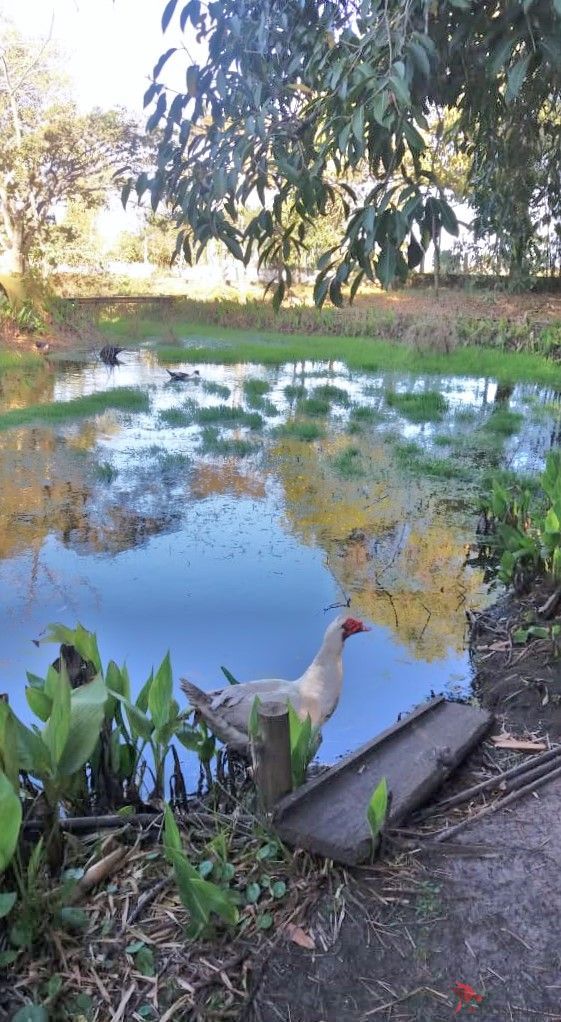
(351, 627)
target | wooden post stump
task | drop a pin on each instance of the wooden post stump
(271, 754)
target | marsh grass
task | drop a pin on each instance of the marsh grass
(106, 472)
(412, 458)
(319, 406)
(301, 429)
(329, 392)
(227, 414)
(176, 416)
(295, 391)
(365, 413)
(254, 387)
(427, 406)
(263, 405)
(360, 352)
(349, 463)
(466, 415)
(503, 422)
(19, 360)
(211, 442)
(170, 462)
(219, 389)
(127, 399)
(441, 440)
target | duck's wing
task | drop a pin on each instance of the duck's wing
(247, 691)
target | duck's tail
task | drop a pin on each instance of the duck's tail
(227, 733)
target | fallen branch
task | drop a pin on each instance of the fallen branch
(494, 782)
(449, 832)
(99, 872)
(86, 824)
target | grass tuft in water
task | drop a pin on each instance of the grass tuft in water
(313, 406)
(442, 440)
(171, 462)
(263, 405)
(328, 392)
(229, 413)
(504, 422)
(127, 399)
(106, 472)
(301, 429)
(349, 463)
(365, 413)
(219, 389)
(254, 387)
(428, 406)
(295, 391)
(213, 443)
(176, 416)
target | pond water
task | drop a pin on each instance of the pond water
(226, 541)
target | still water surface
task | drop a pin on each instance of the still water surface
(135, 526)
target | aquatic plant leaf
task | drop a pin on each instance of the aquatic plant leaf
(9, 752)
(160, 694)
(87, 709)
(55, 735)
(378, 808)
(142, 698)
(7, 902)
(172, 837)
(139, 724)
(39, 703)
(31, 1013)
(229, 676)
(10, 821)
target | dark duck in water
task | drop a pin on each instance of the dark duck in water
(109, 354)
(181, 377)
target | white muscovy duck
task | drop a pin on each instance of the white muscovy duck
(316, 692)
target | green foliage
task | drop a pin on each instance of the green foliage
(358, 80)
(213, 443)
(526, 527)
(229, 414)
(51, 153)
(300, 429)
(10, 823)
(504, 422)
(305, 740)
(128, 399)
(349, 463)
(377, 810)
(202, 898)
(427, 406)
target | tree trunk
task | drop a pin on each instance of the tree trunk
(436, 242)
(17, 255)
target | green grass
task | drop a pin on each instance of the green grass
(219, 389)
(313, 406)
(228, 413)
(442, 440)
(365, 413)
(176, 416)
(295, 391)
(213, 443)
(411, 457)
(105, 472)
(19, 360)
(255, 388)
(349, 463)
(263, 405)
(503, 422)
(301, 429)
(362, 352)
(328, 392)
(170, 462)
(126, 399)
(428, 406)
(466, 415)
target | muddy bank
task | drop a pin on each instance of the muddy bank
(520, 682)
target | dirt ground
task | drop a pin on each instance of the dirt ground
(484, 912)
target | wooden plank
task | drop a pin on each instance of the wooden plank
(327, 816)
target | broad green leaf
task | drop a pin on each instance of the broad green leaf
(144, 961)
(520, 635)
(160, 694)
(39, 703)
(140, 725)
(57, 730)
(10, 761)
(385, 267)
(448, 218)
(551, 521)
(378, 808)
(252, 893)
(31, 1013)
(142, 698)
(7, 902)
(87, 710)
(10, 821)
(212, 898)
(515, 79)
(172, 837)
